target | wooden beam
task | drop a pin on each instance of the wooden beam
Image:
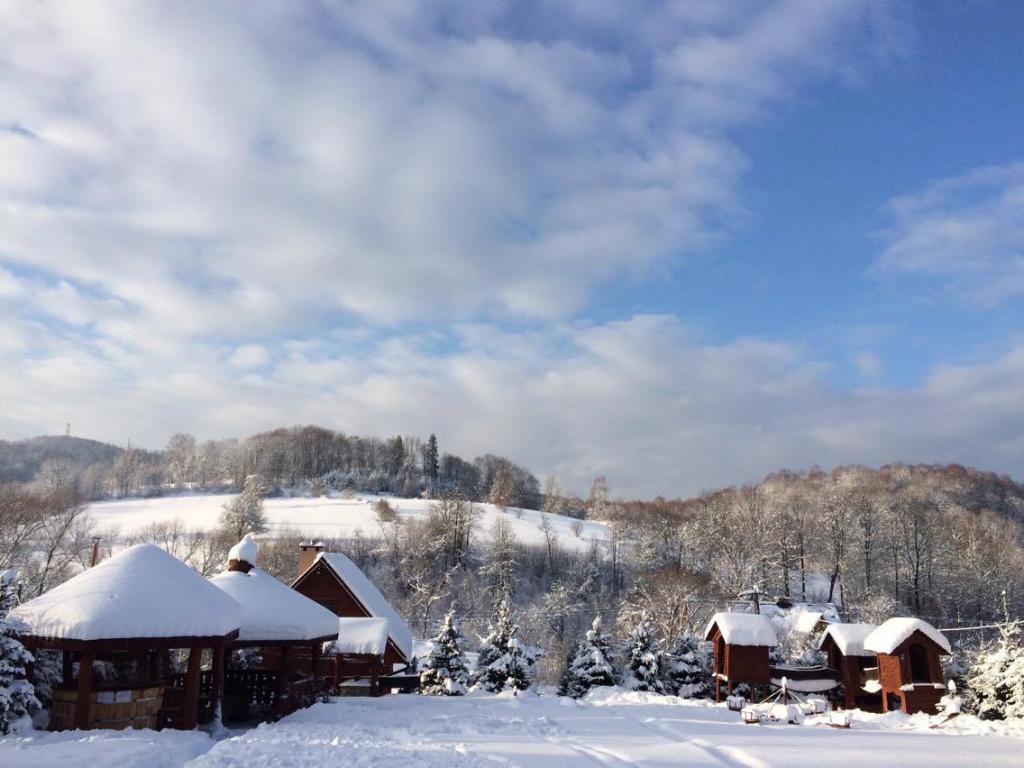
(67, 669)
(281, 694)
(84, 692)
(190, 710)
(314, 655)
(217, 695)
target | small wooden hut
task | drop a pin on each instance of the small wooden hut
(358, 656)
(338, 584)
(287, 628)
(741, 643)
(131, 611)
(909, 664)
(856, 666)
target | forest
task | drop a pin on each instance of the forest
(941, 542)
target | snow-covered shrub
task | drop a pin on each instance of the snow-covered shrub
(17, 699)
(643, 659)
(591, 664)
(995, 683)
(688, 672)
(445, 672)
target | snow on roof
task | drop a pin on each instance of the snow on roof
(140, 592)
(372, 600)
(360, 635)
(272, 610)
(245, 551)
(806, 621)
(849, 638)
(743, 629)
(894, 632)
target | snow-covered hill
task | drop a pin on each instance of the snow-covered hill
(334, 517)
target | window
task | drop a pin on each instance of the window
(920, 669)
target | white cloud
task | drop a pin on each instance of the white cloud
(643, 400)
(249, 356)
(966, 232)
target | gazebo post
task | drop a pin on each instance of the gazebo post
(282, 681)
(315, 657)
(84, 690)
(190, 711)
(217, 695)
(67, 668)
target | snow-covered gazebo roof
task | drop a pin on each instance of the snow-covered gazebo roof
(894, 632)
(849, 638)
(141, 592)
(272, 611)
(371, 599)
(361, 636)
(743, 629)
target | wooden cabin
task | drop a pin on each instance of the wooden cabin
(909, 655)
(338, 584)
(741, 644)
(855, 665)
(133, 610)
(287, 631)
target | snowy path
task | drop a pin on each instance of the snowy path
(613, 729)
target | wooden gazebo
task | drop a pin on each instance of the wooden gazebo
(287, 628)
(132, 610)
(741, 644)
(909, 664)
(856, 666)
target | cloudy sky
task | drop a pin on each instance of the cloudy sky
(681, 244)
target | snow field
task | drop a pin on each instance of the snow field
(610, 728)
(333, 517)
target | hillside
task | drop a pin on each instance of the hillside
(334, 517)
(20, 460)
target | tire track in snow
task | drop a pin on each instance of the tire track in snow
(731, 757)
(602, 757)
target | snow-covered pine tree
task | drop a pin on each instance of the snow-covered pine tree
(446, 673)
(521, 664)
(591, 664)
(489, 675)
(17, 700)
(644, 656)
(995, 682)
(689, 671)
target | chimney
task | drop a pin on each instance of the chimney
(308, 550)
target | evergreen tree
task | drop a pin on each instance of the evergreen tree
(590, 666)
(495, 647)
(446, 673)
(996, 679)
(17, 699)
(431, 460)
(520, 664)
(689, 671)
(644, 659)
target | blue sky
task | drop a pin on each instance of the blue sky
(681, 244)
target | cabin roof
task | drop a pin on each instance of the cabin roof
(370, 597)
(361, 636)
(743, 629)
(849, 638)
(141, 592)
(894, 632)
(273, 611)
(806, 621)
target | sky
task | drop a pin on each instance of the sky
(680, 244)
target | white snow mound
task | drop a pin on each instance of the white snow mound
(140, 592)
(245, 551)
(888, 637)
(743, 629)
(272, 610)
(849, 638)
(361, 636)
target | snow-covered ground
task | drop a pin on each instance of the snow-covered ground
(332, 517)
(611, 728)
